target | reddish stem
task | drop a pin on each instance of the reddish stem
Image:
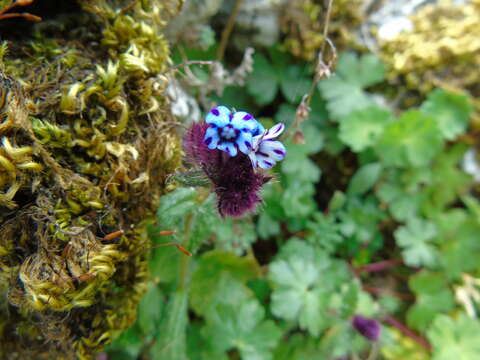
(407, 332)
(377, 291)
(379, 266)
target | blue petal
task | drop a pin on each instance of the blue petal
(228, 147)
(274, 149)
(211, 138)
(218, 116)
(258, 129)
(244, 142)
(243, 120)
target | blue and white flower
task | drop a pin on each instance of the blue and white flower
(266, 152)
(229, 131)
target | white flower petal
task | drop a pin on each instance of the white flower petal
(274, 131)
(273, 148)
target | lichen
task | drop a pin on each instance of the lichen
(441, 50)
(87, 142)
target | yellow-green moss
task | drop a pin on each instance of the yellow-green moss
(303, 22)
(87, 141)
(441, 50)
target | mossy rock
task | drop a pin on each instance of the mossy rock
(87, 141)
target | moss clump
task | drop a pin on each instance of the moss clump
(87, 141)
(441, 50)
(302, 22)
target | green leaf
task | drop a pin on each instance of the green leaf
(183, 211)
(243, 328)
(218, 278)
(296, 297)
(235, 235)
(359, 221)
(415, 239)
(198, 348)
(297, 162)
(319, 113)
(267, 226)
(262, 83)
(458, 246)
(363, 71)
(294, 83)
(346, 299)
(303, 282)
(412, 140)
(171, 337)
(343, 92)
(432, 297)
(272, 197)
(337, 201)
(401, 204)
(448, 183)
(285, 114)
(297, 199)
(364, 179)
(342, 97)
(451, 111)
(361, 128)
(455, 338)
(299, 347)
(127, 346)
(324, 232)
(235, 97)
(150, 309)
(180, 210)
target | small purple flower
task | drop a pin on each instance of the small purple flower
(369, 328)
(234, 180)
(229, 131)
(266, 151)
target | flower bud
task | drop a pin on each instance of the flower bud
(368, 328)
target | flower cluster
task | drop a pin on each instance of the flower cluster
(229, 147)
(239, 131)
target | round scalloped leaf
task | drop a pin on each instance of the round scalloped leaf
(451, 112)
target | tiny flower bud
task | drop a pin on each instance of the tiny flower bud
(368, 328)
(298, 138)
(303, 110)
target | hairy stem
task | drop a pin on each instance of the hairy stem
(185, 260)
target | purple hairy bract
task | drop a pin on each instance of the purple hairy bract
(234, 180)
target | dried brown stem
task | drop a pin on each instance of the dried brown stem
(228, 30)
(322, 69)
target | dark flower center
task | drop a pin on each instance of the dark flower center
(229, 133)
